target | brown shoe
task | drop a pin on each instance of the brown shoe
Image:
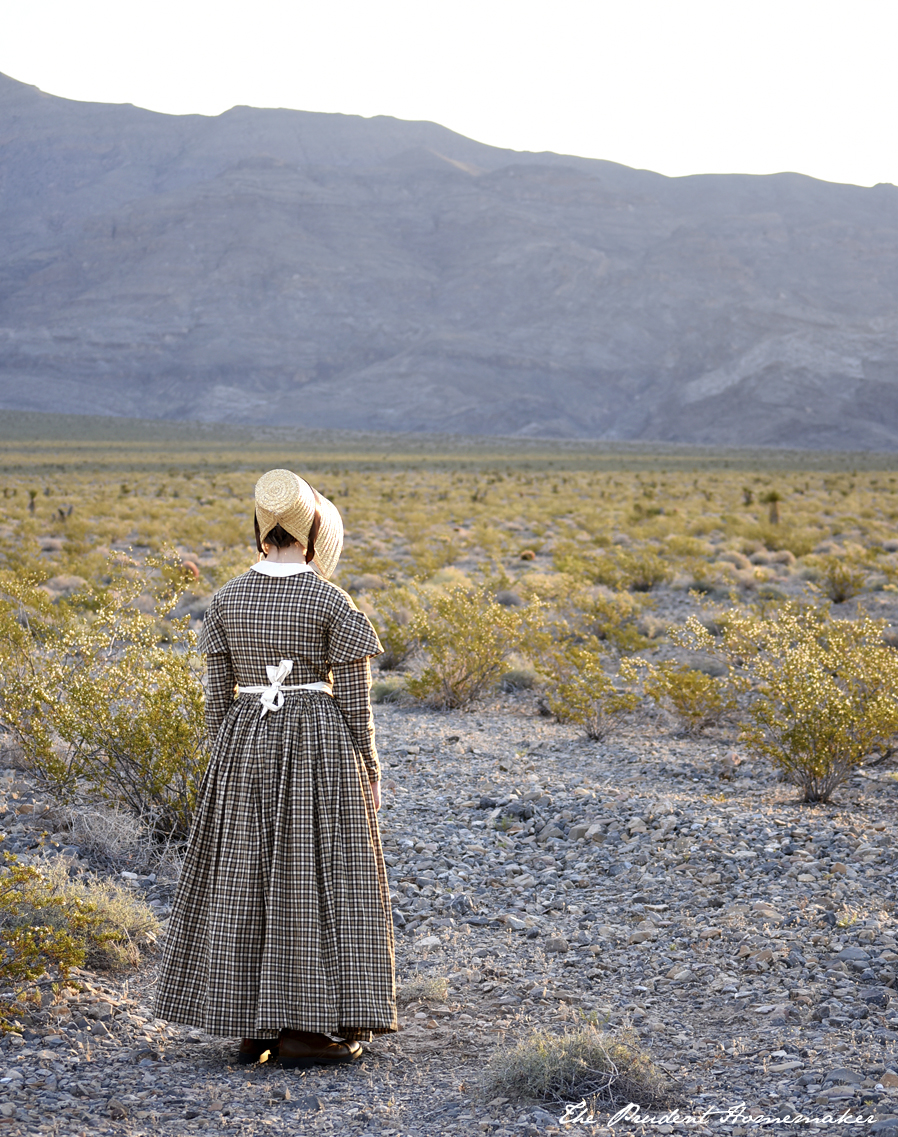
(298, 1049)
(252, 1049)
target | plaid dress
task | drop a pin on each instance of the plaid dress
(282, 914)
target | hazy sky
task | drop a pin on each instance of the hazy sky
(679, 86)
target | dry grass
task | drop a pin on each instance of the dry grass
(585, 1064)
(424, 989)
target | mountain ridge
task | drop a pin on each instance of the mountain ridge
(311, 269)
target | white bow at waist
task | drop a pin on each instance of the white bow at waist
(272, 696)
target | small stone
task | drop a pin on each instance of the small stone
(709, 933)
(843, 1077)
(889, 1080)
(875, 996)
(853, 955)
(641, 937)
(8, 1109)
(556, 944)
(429, 942)
(311, 1102)
(765, 910)
(116, 1108)
(839, 867)
(280, 1093)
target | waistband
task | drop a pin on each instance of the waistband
(272, 696)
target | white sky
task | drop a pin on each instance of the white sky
(679, 86)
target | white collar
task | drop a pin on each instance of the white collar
(281, 568)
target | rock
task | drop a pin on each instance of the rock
(767, 911)
(429, 942)
(889, 1079)
(576, 832)
(310, 1102)
(841, 868)
(509, 599)
(116, 1108)
(7, 1109)
(884, 1127)
(462, 904)
(642, 937)
(843, 1076)
(853, 955)
(875, 996)
(486, 803)
(515, 923)
(556, 944)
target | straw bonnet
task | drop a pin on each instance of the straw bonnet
(284, 499)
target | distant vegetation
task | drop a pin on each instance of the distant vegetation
(561, 563)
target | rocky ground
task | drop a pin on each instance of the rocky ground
(663, 884)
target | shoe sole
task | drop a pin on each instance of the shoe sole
(305, 1063)
(249, 1059)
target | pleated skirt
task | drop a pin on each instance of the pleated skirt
(282, 916)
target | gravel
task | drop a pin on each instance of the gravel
(670, 886)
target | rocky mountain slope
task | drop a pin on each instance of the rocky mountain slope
(275, 266)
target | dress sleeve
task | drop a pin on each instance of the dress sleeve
(352, 638)
(220, 678)
(352, 684)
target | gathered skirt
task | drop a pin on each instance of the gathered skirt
(282, 916)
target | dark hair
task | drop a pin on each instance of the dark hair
(278, 536)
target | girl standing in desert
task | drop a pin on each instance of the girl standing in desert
(281, 930)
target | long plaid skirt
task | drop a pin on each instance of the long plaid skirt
(282, 914)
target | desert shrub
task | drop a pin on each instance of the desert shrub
(581, 1065)
(518, 679)
(581, 691)
(424, 988)
(613, 617)
(839, 578)
(232, 562)
(636, 570)
(51, 923)
(467, 637)
(112, 835)
(390, 690)
(395, 623)
(823, 691)
(642, 569)
(695, 699)
(107, 701)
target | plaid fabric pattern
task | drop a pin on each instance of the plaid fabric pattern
(282, 914)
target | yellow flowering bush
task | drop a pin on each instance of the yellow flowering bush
(581, 690)
(695, 699)
(103, 698)
(467, 638)
(822, 692)
(51, 923)
(840, 578)
(637, 570)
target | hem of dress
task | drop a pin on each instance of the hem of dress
(350, 1033)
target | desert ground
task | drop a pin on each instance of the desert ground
(666, 886)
